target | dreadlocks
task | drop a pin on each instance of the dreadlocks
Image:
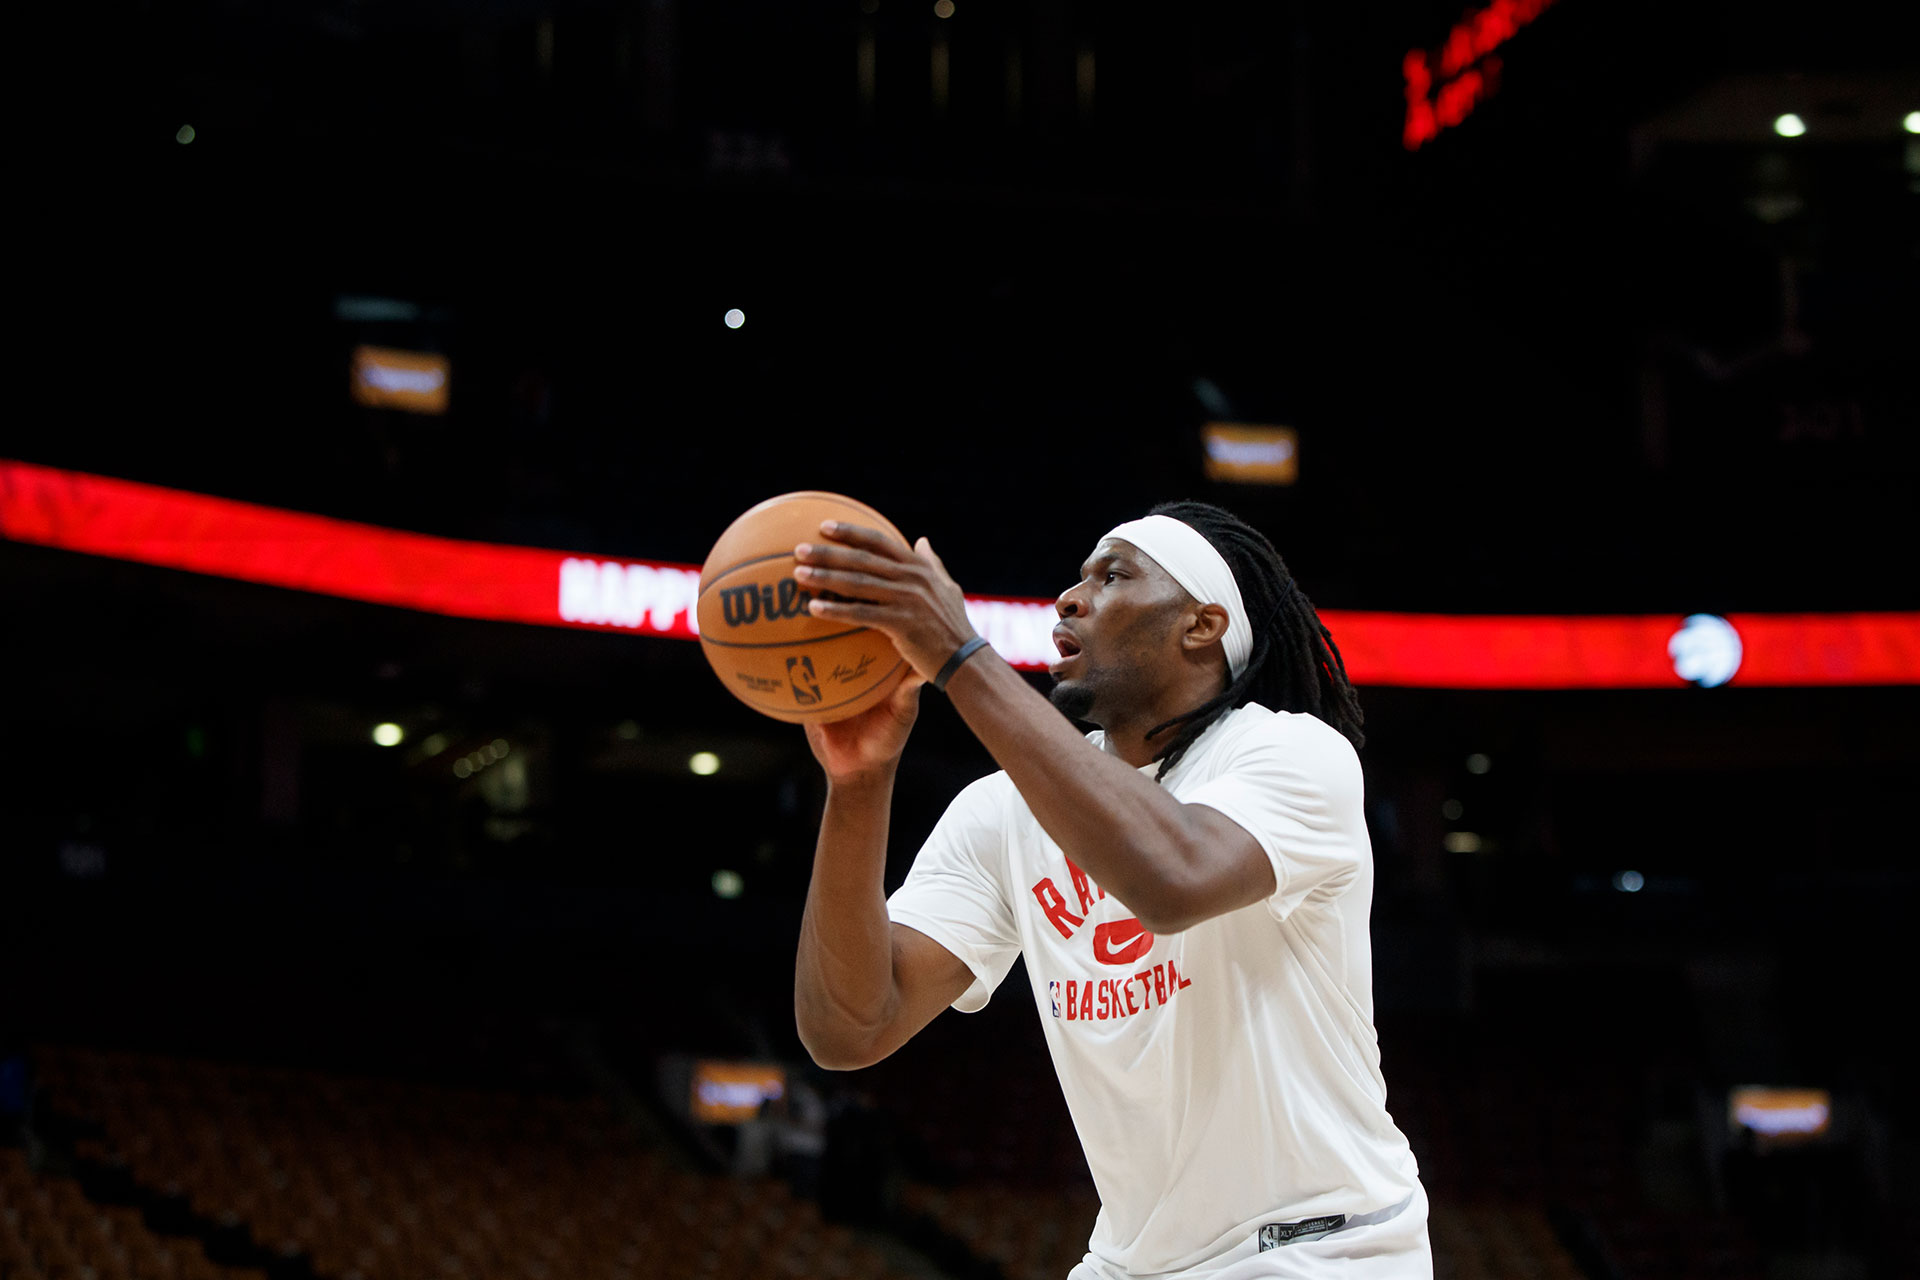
(1294, 666)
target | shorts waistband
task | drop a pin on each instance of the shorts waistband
(1275, 1235)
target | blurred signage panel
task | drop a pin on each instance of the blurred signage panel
(730, 1092)
(388, 378)
(1238, 453)
(1779, 1116)
(1021, 631)
(126, 520)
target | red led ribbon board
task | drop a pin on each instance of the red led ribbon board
(1444, 85)
(147, 524)
(227, 539)
(1448, 651)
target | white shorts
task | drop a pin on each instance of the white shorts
(1396, 1249)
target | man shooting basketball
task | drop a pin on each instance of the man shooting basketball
(1190, 886)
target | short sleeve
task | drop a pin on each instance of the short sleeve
(1295, 785)
(955, 893)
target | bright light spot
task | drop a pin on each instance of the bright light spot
(1452, 810)
(478, 760)
(434, 744)
(463, 768)
(185, 135)
(1629, 881)
(728, 884)
(1706, 650)
(1463, 842)
(1789, 126)
(704, 763)
(499, 748)
(1912, 122)
(736, 318)
(388, 735)
(943, 8)
(1478, 763)
(1779, 1114)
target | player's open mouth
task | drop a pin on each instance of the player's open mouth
(1068, 646)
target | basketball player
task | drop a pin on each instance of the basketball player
(1190, 886)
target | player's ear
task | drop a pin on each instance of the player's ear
(1207, 626)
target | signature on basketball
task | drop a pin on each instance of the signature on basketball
(843, 673)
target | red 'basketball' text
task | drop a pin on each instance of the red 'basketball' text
(1104, 999)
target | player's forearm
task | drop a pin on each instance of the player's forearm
(844, 991)
(1114, 822)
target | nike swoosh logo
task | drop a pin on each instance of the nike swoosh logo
(1120, 941)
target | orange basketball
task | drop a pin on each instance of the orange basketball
(755, 629)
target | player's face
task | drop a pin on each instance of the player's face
(1118, 626)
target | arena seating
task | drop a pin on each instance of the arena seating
(49, 1230)
(378, 1179)
(382, 1180)
(1029, 1233)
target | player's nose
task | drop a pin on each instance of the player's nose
(1069, 604)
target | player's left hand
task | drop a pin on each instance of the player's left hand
(874, 582)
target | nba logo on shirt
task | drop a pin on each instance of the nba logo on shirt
(1053, 991)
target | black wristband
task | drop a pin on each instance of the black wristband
(960, 655)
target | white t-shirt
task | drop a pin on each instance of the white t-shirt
(1219, 1078)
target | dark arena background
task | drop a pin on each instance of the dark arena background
(397, 895)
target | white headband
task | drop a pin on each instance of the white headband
(1191, 561)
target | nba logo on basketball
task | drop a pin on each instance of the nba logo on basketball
(1053, 991)
(798, 670)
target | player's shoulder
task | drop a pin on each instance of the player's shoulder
(1304, 740)
(1254, 722)
(988, 795)
(995, 795)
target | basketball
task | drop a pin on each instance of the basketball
(755, 629)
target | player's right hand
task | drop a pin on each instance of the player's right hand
(867, 747)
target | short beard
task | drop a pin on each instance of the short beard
(1074, 701)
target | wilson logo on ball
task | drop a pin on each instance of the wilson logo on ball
(769, 602)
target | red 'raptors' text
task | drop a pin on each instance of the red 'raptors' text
(1104, 999)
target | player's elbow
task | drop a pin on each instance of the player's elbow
(848, 1062)
(834, 1038)
(1166, 907)
(1163, 920)
(838, 1052)
(1191, 891)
